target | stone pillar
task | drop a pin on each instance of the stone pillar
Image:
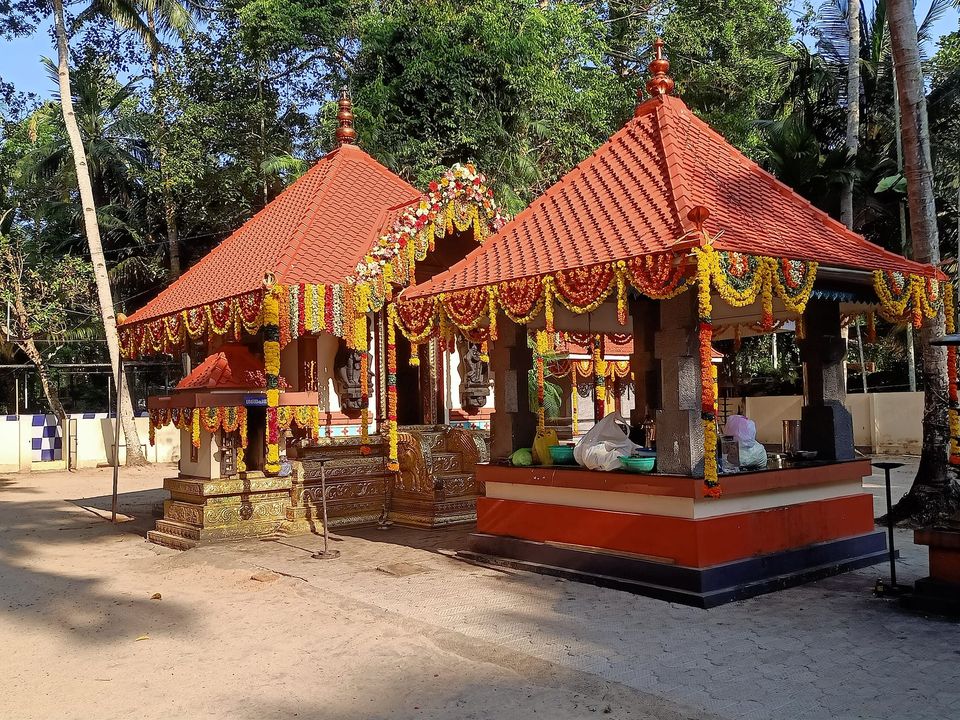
(646, 321)
(826, 425)
(679, 429)
(512, 425)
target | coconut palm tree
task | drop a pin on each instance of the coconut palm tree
(151, 20)
(933, 493)
(92, 230)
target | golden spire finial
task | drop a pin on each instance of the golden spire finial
(660, 83)
(346, 135)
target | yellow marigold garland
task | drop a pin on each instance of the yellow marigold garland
(392, 436)
(953, 412)
(271, 361)
(706, 264)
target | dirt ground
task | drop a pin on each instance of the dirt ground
(82, 637)
(396, 628)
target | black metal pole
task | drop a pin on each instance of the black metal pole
(893, 554)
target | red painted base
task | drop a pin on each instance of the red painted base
(680, 541)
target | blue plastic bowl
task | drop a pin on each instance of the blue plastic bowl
(638, 464)
(562, 455)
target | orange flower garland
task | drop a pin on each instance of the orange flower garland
(706, 263)
(271, 362)
(393, 463)
(953, 412)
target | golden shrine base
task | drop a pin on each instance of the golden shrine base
(436, 487)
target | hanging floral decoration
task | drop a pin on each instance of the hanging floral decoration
(271, 363)
(599, 378)
(583, 290)
(953, 411)
(738, 278)
(466, 309)
(459, 201)
(541, 349)
(659, 276)
(706, 264)
(522, 299)
(393, 463)
(907, 298)
(170, 334)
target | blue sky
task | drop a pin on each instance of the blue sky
(20, 58)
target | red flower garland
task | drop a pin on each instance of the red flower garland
(520, 297)
(583, 287)
(466, 308)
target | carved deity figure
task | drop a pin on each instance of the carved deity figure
(347, 378)
(474, 376)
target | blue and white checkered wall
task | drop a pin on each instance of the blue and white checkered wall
(46, 442)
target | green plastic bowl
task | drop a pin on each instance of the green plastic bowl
(562, 455)
(638, 464)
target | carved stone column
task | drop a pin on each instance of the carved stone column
(826, 424)
(512, 425)
(679, 429)
(646, 321)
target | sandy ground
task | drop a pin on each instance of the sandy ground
(82, 637)
(395, 628)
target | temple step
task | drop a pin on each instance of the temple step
(174, 542)
(180, 529)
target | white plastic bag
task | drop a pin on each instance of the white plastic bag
(604, 443)
(744, 430)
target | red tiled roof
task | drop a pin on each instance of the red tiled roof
(226, 368)
(315, 231)
(632, 195)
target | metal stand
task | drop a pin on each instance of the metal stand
(893, 588)
(326, 553)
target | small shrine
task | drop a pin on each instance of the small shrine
(289, 320)
(666, 233)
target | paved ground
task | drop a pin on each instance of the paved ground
(395, 628)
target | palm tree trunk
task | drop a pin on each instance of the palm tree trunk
(104, 294)
(169, 204)
(911, 349)
(933, 493)
(853, 105)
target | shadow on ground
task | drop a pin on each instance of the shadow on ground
(57, 561)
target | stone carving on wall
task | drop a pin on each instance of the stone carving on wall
(474, 375)
(347, 378)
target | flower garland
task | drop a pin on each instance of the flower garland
(169, 334)
(271, 365)
(599, 379)
(393, 464)
(541, 349)
(460, 200)
(659, 276)
(706, 268)
(953, 412)
(739, 279)
(907, 297)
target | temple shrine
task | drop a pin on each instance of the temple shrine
(665, 233)
(288, 322)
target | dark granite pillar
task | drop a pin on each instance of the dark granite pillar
(512, 425)
(826, 425)
(646, 320)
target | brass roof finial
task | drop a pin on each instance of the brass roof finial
(346, 135)
(660, 83)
